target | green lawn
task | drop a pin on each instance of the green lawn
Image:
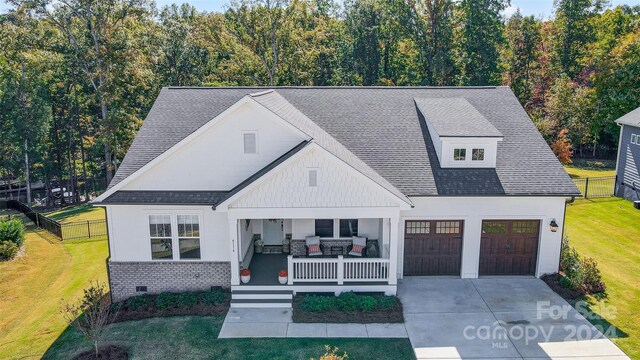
(77, 213)
(591, 168)
(195, 337)
(609, 231)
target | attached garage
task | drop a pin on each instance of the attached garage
(509, 247)
(433, 247)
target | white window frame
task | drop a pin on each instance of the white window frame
(171, 223)
(453, 154)
(255, 134)
(199, 237)
(634, 139)
(175, 243)
(484, 153)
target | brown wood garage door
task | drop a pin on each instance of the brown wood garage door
(432, 247)
(509, 247)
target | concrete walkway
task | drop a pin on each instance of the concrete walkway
(277, 323)
(497, 318)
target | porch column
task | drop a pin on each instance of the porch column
(393, 249)
(234, 257)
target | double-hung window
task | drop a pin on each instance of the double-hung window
(459, 154)
(189, 236)
(161, 240)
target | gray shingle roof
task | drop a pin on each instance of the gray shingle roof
(381, 126)
(156, 197)
(632, 118)
(281, 107)
(455, 117)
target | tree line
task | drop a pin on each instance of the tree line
(77, 77)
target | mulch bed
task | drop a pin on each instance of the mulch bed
(553, 281)
(389, 315)
(152, 311)
(109, 352)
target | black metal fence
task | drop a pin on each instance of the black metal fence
(596, 187)
(69, 231)
(84, 229)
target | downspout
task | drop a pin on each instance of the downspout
(564, 219)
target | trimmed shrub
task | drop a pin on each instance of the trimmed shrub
(12, 230)
(315, 303)
(166, 300)
(348, 301)
(569, 257)
(386, 302)
(368, 303)
(211, 297)
(8, 250)
(580, 274)
(186, 299)
(137, 302)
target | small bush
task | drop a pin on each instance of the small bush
(8, 250)
(348, 301)
(211, 297)
(569, 257)
(314, 303)
(386, 302)
(368, 303)
(186, 299)
(591, 278)
(12, 230)
(137, 302)
(166, 300)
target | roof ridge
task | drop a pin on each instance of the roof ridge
(273, 88)
(260, 93)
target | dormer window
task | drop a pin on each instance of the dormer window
(459, 154)
(477, 155)
(250, 139)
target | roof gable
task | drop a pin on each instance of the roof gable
(455, 117)
(632, 118)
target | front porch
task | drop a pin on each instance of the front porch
(334, 271)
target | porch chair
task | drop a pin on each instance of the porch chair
(358, 247)
(313, 246)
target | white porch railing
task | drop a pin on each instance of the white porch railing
(338, 270)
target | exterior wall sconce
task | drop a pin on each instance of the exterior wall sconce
(553, 225)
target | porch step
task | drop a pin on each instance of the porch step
(262, 294)
(261, 298)
(260, 303)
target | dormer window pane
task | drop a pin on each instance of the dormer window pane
(459, 154)
(477, 154)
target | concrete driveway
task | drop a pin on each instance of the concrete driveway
(497, 318)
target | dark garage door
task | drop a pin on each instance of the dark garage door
(432, 247)
(509, 247)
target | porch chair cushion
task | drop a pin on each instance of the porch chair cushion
(359, 243)
(313, 246)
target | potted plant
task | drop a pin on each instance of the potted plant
(245, 275)
(258, 245)
(282, 277)
(286, 244)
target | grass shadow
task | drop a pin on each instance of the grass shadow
(596, 319)
(58, 215)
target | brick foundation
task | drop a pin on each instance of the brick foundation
(166, 276)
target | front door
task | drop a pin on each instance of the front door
(432, 247)
(273, 232)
